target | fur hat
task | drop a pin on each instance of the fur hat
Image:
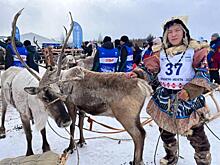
(124, 39)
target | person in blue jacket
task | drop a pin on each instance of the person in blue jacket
(126, 55)
(11, 58)
(106, 57)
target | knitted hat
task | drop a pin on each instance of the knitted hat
(106, 39)
(27, 43)
(215, 35)
(124, 39)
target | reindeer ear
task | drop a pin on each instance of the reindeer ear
(32, 90)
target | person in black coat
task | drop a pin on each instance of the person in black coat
(137, 54)
(33, 56)
(126, 55)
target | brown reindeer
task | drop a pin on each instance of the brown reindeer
(106, 94)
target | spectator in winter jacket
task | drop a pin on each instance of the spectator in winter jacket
(147, 47)
(10, 57)
(106, 57)
(87, 48)
(126, 55)
(213, 58)
(117, 44)
(33, 56)
(137, 54)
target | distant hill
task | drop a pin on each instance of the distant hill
(30, 36)
(39, 38)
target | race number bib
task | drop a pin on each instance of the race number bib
(174, 74)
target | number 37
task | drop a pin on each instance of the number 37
(170, 68)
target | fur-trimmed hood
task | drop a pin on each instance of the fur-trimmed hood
(177, 49)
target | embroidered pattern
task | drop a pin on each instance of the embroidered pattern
(185, 108)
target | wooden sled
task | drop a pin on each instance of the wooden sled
(214, 109)
(47, 158)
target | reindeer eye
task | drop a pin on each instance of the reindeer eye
(46, 99)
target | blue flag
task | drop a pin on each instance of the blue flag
(17, 34)
(77, 35)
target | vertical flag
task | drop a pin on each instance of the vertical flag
(17, 34)
(77, 35)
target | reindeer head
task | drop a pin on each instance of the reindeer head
(46, 93)
(52, 104)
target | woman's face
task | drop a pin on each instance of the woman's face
(175, 35)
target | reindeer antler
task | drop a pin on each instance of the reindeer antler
(65, 30)
(64, 45)
(35, 42)
(14, 45)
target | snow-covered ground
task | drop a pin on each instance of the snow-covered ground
(102, 151)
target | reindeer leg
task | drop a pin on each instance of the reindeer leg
(133, 126)
(27, 129)
(81, 122)
(72, 112)
(4, 109)
(45, 146)
(2, 128)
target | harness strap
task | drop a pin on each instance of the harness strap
(90, 120)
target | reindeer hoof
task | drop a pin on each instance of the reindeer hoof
(2, 133)
(81, 144)
(2, 136)
(134, 163)
(70, 150)
(29, 153)
(46, 149)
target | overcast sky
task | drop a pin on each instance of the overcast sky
(135, 18)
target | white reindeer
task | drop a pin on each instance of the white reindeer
(16, 91)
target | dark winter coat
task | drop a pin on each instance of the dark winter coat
(123, 56)
(213, 56)
(137, 55)
(33, 57)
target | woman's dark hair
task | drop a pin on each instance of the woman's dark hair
(176, 21)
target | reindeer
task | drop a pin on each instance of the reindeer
(16, 91)
(106, 94)
(86, 63)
